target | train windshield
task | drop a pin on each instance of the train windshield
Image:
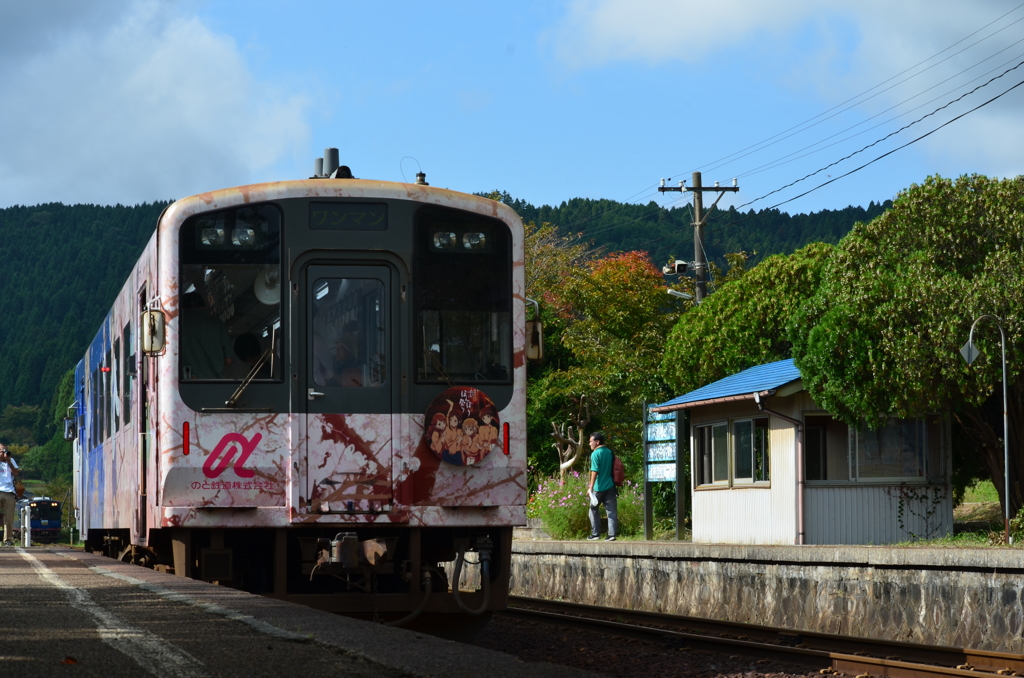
(349, 332)
(46, 511)
(463, 283)
(231, 295)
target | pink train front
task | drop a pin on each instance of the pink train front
(315, 390)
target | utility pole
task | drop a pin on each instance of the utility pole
(700, 264)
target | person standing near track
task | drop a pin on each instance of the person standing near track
(602, 489)
(8, 499)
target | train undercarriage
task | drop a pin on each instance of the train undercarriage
(404, 576)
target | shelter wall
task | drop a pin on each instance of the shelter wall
(871, 511)
(745, 514)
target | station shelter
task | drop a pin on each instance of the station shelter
(770, 466)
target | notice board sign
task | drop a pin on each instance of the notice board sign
(661, 444)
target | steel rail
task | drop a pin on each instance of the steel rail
(828, 652)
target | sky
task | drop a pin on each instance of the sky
(129, 101)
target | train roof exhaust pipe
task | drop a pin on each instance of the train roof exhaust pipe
(330, 160)
(327, 167)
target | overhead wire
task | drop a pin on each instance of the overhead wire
(898, 148)
(887, 136)
(772, 164)
(803, 126)
(761, 145)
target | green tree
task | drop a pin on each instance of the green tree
(880, 338)
(51, 461)
(18, 424)
(64, 265)
(744, 322)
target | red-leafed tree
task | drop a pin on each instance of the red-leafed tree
(607, 320)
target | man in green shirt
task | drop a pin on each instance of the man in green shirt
(602, 489)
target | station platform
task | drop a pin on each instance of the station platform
(65, 607)
(965, 597)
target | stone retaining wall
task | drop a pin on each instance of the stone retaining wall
(959, 597)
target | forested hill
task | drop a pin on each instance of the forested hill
(669, 232)
(63, 265)
(61, 268)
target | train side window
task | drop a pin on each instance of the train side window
(127, 367)
(105, 395)
(230, 294)
(115, 386)
(463, 281)
(95, 419)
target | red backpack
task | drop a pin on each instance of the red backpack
(618, 471)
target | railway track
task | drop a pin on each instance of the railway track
(828, 653)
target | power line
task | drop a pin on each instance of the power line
(783, 160)
(914, 141)
(870, 162)
(874, 143)
(762, 144)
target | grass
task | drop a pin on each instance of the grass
(980, 492)
(963, 540)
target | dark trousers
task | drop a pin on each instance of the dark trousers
(610, 499)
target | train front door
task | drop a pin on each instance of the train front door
(350, 326)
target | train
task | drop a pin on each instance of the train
(315, 390)
(46, 519)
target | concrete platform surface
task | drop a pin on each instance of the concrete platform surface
(68, 611)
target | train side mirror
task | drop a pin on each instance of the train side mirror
(152, 332)
(534, 335)
(70, 430)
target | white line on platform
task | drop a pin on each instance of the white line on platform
(259, 625)
(152, 653)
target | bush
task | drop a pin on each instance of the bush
(1017, 527)
(564, 509)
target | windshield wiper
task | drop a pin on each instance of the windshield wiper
(267, 355)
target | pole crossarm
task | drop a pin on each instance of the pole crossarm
(678, 189)
(699, 217)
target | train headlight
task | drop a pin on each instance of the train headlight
(474, 241)
(445, 240)
(243, 237)
(213, 235)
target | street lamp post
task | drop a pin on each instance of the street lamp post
(970, 352)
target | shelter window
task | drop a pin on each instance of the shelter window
(712, 454)
(750, 450)
(230, 294)
(826, 449)
(897, 450)
(738, 452)
(463, 282)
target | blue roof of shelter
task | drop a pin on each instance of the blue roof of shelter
(739, 386)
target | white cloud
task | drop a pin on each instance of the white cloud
(595, 32)
(132, 102)
(831, 50)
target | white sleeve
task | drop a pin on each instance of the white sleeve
(10, 460)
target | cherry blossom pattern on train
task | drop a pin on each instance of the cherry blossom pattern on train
(462, 426)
